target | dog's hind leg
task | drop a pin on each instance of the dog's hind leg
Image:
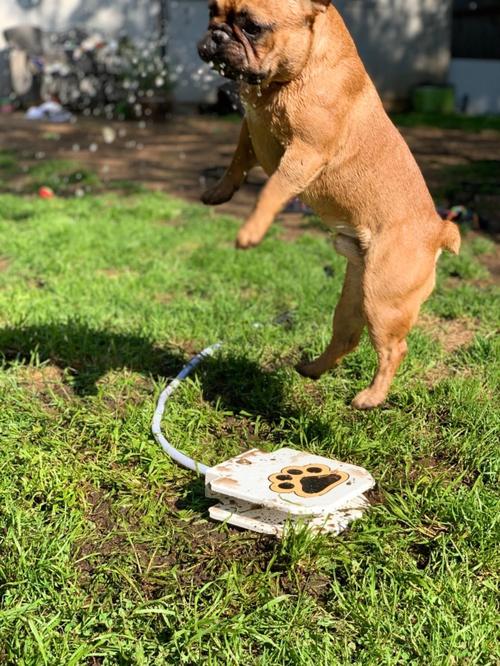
(348, 324)
(393, 295)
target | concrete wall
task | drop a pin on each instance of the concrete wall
(401, 42)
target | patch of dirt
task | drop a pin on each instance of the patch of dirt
(239, 428)
(450, 333)
(430, 464)
(375, 496)
(442, 371)
(199, 553)
(164, 299)
(123, 388)
(44, 381)
(187, 153)
(4, 264)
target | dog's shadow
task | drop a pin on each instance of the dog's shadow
(86, 354)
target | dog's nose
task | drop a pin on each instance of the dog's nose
(206, 47)
(220, 37)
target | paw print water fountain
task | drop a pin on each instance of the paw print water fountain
(263, 491)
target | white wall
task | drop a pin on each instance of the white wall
(138, 17)
(195, 82)
(402, 42)
(479, 82)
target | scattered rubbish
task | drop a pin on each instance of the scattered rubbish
(297, 206)
(108, 134)
(51, 112)
(265, 492)
(285, 319)
(461, 215)
(46, 193)
(6, 106)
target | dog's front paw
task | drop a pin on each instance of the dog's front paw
(218, 194)
(310, 370)
(248, 237)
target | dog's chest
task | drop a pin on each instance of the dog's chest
(268, 138)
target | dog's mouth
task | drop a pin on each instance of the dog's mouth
(229, 72)
(228, 57)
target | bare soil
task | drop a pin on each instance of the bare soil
(186, 153)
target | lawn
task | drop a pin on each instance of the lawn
(107, 555)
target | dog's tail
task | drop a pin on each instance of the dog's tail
(450, 237)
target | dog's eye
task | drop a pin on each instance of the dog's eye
(251, 28)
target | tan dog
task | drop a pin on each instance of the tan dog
(315, 123)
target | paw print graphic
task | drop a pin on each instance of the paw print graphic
(307, 481)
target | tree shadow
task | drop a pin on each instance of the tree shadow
(86, 353)
(235, 383)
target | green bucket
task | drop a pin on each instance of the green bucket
(433, 99)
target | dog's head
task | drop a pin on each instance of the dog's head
(260, 40)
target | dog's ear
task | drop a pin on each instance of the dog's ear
(320, 5)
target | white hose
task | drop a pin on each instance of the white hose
(175, 454)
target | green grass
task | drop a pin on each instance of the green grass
(457, 121)
(106, 552)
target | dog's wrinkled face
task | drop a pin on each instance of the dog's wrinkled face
(259, 40)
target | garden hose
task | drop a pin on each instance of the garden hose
(176, 455)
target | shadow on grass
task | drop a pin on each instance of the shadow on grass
(87, 353)
(235, 383)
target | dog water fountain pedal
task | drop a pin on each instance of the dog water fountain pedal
(262, 491)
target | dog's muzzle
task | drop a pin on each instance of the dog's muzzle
(211, 47)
